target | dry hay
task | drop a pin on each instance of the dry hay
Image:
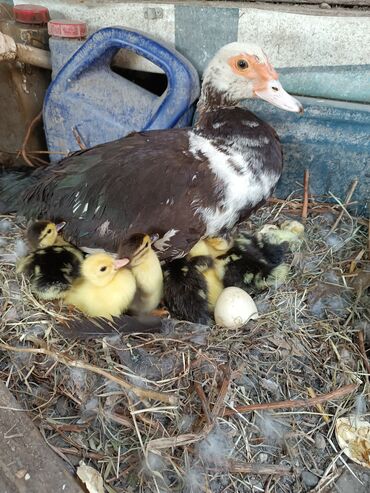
(304, 343)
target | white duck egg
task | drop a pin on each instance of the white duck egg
(234, 308)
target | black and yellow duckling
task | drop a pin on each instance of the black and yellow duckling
(147, 271)
(41, 234)
(194, 283)
(253, 261)
(289, 232)
(53, 264)
(186, 290)
(105, 289)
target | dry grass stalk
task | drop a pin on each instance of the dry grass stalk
(350, 192)
(306, 185)
(319, 407)
(251, 468)
(361, 345)
(66, 360)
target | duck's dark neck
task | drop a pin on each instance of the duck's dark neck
(212, 99)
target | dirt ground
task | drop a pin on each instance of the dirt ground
(193, 436)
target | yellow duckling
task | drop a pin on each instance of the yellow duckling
(53, 265)
(147, 271)
(212, 246)
(213, 268)
(105, 288)
(41, 234)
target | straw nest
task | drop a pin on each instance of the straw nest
(164, 412)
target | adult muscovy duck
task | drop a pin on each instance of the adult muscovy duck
(182, 184)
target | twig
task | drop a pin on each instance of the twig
(222, 394)
(199, 390)
(350, 192)
(266, 488)
(236, 467)
(66, 360)
(361, 346)
(176, 441)
(81, 453)
(306, 181)
(79, 139)
(27, 138)
(355, 261)
(347, 389)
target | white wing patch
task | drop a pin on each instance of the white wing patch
(241, 182)
(104, 228)
(163, 243)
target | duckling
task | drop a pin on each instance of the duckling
(53, 265)
(147, 271)
(291, 232)
(105, 289)
(194, 283)
(41, 234)
(186, 289)
(205, 254)
(253, 260)
(212, 246)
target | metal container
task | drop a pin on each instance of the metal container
(22, 86)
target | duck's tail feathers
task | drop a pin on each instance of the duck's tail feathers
(12, 183)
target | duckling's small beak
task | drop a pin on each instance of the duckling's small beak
(274, 93)
(120, 262)
(154, 237)
(60, 226)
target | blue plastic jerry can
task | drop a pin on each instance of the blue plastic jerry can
(89, 104)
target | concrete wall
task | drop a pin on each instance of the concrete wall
(292, 36)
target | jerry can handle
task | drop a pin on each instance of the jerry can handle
(176, 67)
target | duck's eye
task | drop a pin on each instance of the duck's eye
(48, 231)
(242, 64)
(103, 269)
(146, 244)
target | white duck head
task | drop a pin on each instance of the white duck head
(240, 71)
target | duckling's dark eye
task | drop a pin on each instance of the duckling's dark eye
(103, 269)
(242, 64)
(146, 244)
(48, 231)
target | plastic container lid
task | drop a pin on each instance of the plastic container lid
(27, 13)
(64, 28)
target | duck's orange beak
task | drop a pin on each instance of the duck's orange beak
(121, 262)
